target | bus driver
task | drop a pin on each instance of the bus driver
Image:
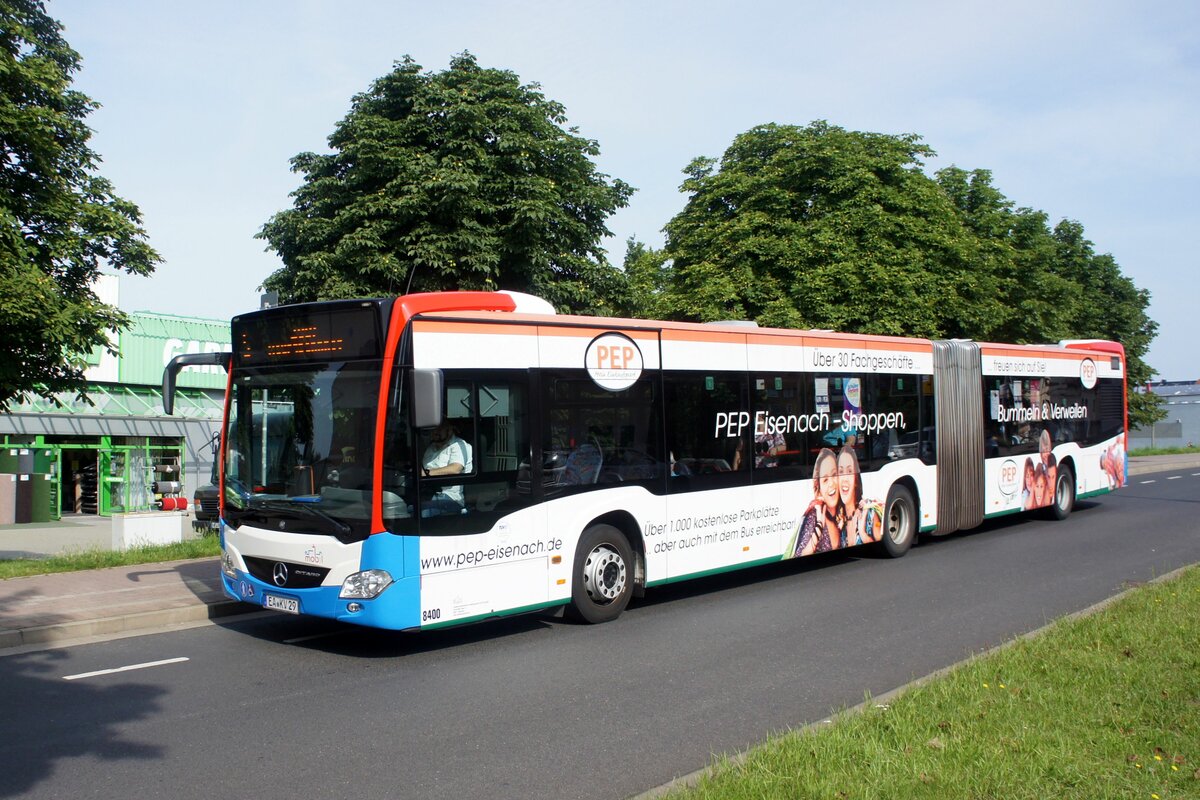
(447, 454)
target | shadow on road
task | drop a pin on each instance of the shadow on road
(356, 642)
(49, 721)
(321, 635)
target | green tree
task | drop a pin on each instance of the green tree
(1111, 307)
(462, 179)
(648, 276)
(1016, 249)
(1054, 284)
(826, 228)
(60, 221)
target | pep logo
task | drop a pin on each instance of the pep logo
(613, 361)
(1009, 478)
(1087, 373)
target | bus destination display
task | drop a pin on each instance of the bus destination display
(338, 334)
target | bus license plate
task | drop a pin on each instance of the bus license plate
(289, 605)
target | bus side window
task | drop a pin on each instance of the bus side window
(593, 437)
(1008, 420)
(894, 399)
(779, 445)
(709, 429)
(501, 433)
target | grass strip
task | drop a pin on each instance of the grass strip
(1102, 706)
(1165, 451)
(96, 558)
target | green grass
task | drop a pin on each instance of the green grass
(208, 545)
(1105, 706)
(1165, 451)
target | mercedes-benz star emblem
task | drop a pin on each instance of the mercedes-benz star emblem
(280, 574)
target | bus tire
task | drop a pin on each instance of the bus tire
(899, 522)
(1064, 494)
(603, 579)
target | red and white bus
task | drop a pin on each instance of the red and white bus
(440, 458)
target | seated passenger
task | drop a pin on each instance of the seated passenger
(446, 455)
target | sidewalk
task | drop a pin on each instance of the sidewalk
(1140, 465)
(46, 609)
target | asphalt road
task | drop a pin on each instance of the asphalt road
(533, 707)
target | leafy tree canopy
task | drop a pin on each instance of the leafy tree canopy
(825, 228)
(60, 221)
(462, 179)
(820, 227)
(1054, 284)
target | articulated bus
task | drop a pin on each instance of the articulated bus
(441, 458)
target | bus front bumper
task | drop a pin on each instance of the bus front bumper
(397, 607)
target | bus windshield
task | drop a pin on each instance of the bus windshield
(299, 446)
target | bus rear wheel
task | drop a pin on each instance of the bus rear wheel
(899, 522)
(603, 577)
(1064, 494)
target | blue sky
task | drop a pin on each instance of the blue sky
(1085, 110)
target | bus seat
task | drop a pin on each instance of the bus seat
(583, 465)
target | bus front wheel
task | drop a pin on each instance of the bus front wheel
(899, 521)
(603, 579)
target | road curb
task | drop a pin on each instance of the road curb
(1145, 465)
(692, 778)
(142, 621)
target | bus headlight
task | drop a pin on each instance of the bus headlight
(227, 566)
(365, 585)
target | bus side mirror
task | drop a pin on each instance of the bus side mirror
(427, 398)
(187, 360)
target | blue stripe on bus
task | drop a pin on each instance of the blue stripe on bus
(397, 607)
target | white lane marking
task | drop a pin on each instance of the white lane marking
(1174, 477)
(313, 636)
(1154, 481)
(147, 665)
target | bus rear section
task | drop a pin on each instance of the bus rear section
(1054, 425)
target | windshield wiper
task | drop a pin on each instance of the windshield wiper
(300, 509)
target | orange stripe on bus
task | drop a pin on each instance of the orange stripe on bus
(693, 335)
(590, 333)
(676, 334)
(1035, 351)
(797, 339)
(826, 339)
(498, 329)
